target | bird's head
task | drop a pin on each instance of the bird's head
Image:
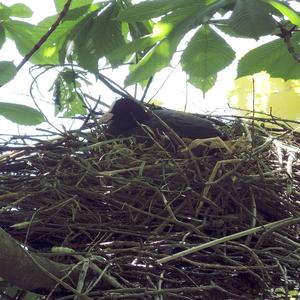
(128, 108)
(123, 114)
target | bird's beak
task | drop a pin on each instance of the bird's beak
(105, 118)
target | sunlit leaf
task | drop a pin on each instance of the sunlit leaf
(155, 60)
(5, 12)
(51, 49)
(285, 10)
(21, 10)
(27, 35)
(138, 29)
(133, 47)
(21, 114)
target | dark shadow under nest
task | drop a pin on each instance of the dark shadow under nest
(128, 207)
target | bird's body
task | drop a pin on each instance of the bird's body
(126, 112)
(186, 124)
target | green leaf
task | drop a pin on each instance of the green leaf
(2, 35)
(21, 225)
(76, 13)
(96, 36)
(4, 12)
(206, 54)
(31, 296)
(227, 8)
(160, 56)
(286, 11)
(21, 10)
(7, 72)
(51, 49)
(139, 29)
(200, 11)
(62, 250)
(141, 44)
(151, 9)
(157, 58)
(71, 107)
(155, 8)
(204, 8)
(225, 27)
(67, 100)
(204, 84)
(132, 47)
(273, 58)
(252, 19)
(21, 114)
(25, 36)
(69, 76)
(59, 4)
(80, 35)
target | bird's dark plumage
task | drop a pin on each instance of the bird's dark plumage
(126, 112)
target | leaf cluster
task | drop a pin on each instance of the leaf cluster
(148, 34)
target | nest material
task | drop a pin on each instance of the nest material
(129, 206)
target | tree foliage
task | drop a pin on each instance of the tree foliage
(146, 35)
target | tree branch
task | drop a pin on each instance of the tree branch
(44, 38)
(18, 268)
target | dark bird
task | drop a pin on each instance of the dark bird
(126, 112)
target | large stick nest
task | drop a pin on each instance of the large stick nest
(129, 206)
